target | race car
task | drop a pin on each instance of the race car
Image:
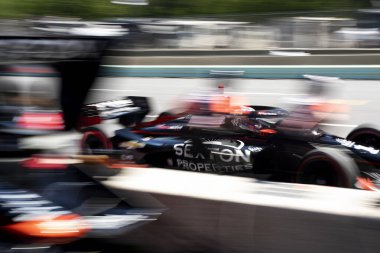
(250, 145)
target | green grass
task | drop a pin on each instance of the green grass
(90, 9)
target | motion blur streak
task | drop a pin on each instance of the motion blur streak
(64, 226)
(318, 106)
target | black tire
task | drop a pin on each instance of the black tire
(165, 114)
(94, 140)
(98, 137)
(366, 135)
(329, 167)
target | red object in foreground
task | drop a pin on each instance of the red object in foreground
(48, 163)
(41, 121)
(64, 226)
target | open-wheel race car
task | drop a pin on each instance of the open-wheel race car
(253, 145)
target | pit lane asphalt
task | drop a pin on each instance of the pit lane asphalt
(363, 97)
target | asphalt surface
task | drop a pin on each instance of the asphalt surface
(165, 93)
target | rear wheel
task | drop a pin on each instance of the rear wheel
(328, 167)
(97, 138)
(94, 140)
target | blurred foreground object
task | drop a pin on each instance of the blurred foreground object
(29, 220)
(43, 83)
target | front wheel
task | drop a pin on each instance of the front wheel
(366, 135)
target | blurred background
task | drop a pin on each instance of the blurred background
(204, 24)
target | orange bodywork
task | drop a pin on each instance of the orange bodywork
(228, 104)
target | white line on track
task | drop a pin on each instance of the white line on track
(263, 93)
(242, 66)
(350, 101)
(111, 90)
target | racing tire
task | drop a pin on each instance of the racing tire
(94, 139)
(165, 114)
(98, 137)
(366, 135)
(329, 167)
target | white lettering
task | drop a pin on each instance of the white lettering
(351, 144)
(226, 155)
(178, 149)
(188, 151)
(368, 149)
(211, 167)
(246, 156)
(199, 155)
(218, 152)
(192, 166)
(185, 165)
(345, 143)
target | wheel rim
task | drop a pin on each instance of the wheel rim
(92, 144)
(320, 171)
(324, 177)
(93, 141)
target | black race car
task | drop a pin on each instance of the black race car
(251, 145)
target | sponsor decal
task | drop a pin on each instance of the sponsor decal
(236, 122)
(127, 157)
(172, 127)
(131, 144)
(351, 144)
(119, 110)
(255, 149)
(211, 167)
(113, 104)
(267, 113)
(113, 107)
(215, 155)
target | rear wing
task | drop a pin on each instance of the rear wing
(129, 110)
